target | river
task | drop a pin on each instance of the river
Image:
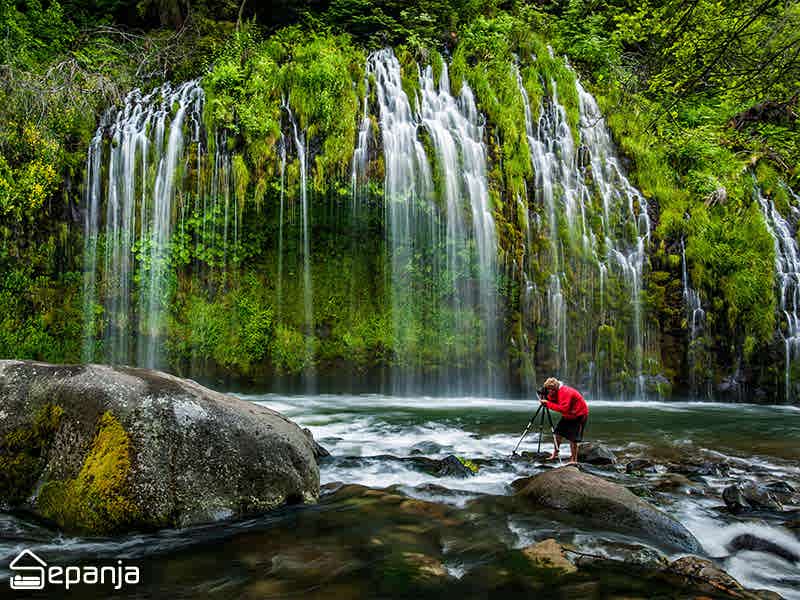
(322, 551)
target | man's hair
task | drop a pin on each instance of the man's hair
(551, 383)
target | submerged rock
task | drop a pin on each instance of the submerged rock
(640, 465)
(101, 449)
(426, 447)
(596, 454)
(744, 496)
(748, 541)
(606, 503)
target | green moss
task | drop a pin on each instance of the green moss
(468, 463)
(99, 499)
(23, 453)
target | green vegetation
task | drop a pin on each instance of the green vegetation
(700, 98)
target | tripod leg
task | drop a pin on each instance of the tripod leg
(541, 428)
(524, 433)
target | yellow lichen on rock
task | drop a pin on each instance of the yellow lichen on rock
(98, 499)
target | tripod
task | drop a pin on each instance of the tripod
(539, 414)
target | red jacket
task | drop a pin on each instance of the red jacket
(568, 402)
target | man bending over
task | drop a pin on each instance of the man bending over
(574, 412)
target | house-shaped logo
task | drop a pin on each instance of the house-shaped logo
(28, 571)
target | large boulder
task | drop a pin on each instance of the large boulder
(605, 503)
(101, 449)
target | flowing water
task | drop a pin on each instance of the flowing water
(787, 281)
(147, 147)
(308, 292)
(572, 179)
(418, 226)
(695, 320)
(374, 439)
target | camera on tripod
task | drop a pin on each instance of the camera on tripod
(542, 393)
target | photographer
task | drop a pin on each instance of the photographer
(574, 413)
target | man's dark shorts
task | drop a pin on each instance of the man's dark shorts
(571, 429)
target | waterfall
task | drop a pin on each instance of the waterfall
(282, 153)
(144, 163)
(567, 180)
(410, 214)
(305, 217)
(695, 319)
(457, 138)
(691, 299)
(623, 206)
(358, 172)
(787, 277)
(448, 231)
(92, 197)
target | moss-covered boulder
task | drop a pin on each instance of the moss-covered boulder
(101, 449)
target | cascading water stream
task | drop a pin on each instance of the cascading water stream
(358, 172)
(787, 277)
(418, 227)
(410, 215)
(147, 136)
(90, 232)
(308, 293)
(566, 192)
(695, 319)
(691, 299)
(623, 205)
(282, 152)
(457, 137)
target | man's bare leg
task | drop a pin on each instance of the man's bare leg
(573, 449)
(556, 444)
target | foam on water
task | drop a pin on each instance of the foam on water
(751, 569)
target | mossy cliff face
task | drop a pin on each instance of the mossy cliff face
(102, 450)
(234, 287)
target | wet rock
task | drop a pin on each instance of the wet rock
(782, 491)
(703, 575)
(318, 450)
(596, 454)
(111, 449)
(605, 503)
(426, 447)
(549, 554)
(640, 465)
(702, 469)
(744, 496)
(630, 554)
(671, 482)
(535, 456)
(658, 385)
(425, 567)
(752, 542)
(451, 466)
